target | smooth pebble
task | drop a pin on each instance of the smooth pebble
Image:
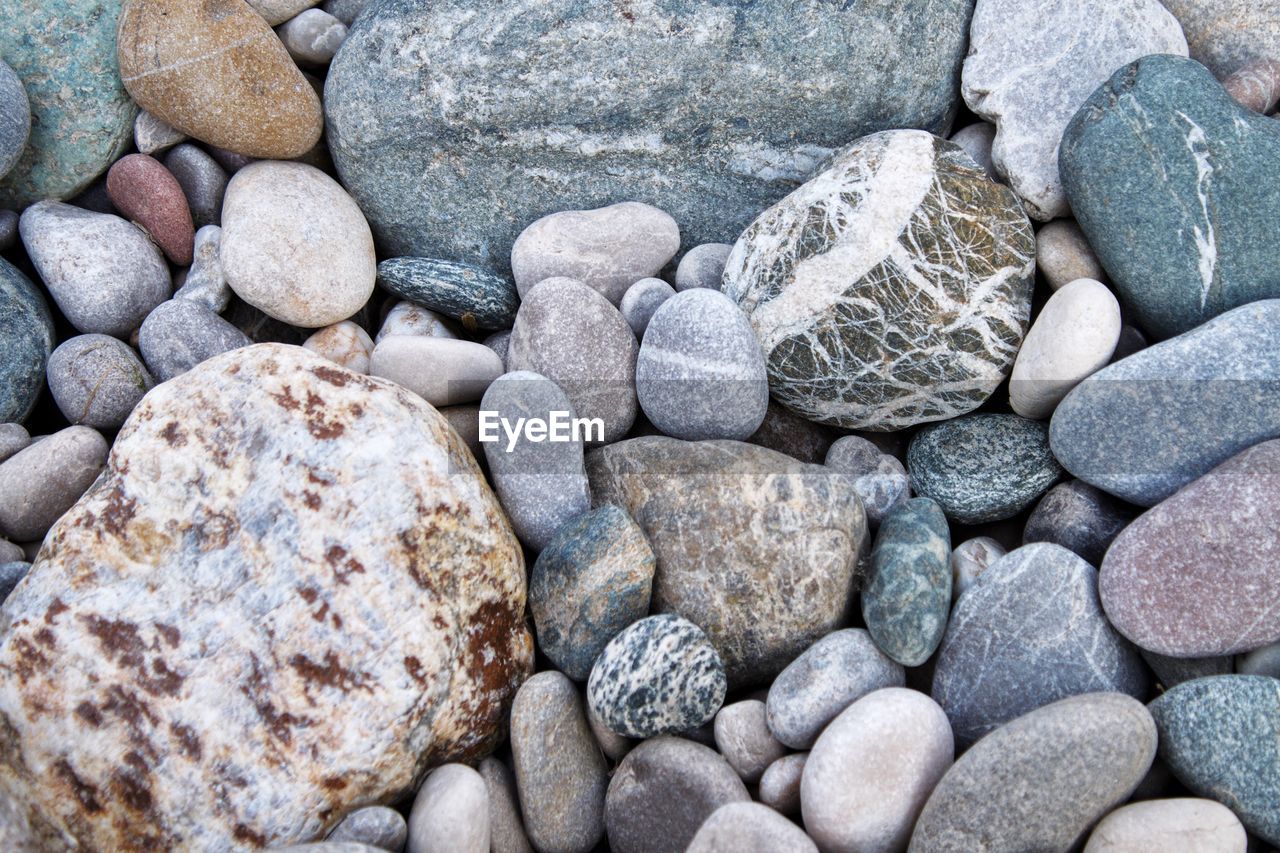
(180, 333)
(450, 813)
(742, 736)
(641, 300)
(41, 482)
(749, 828)
(344, 343)
(96, 380)
(443, 371)
(702, 266)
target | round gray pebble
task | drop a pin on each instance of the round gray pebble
(641, 300)
(1078, 517)
(702, 266)
(97, 380)
(500, 342)
(41, 482)
(506, 829)
(13, 437)
(747, 827)
(205, 283)
(313, 36)
(11, 553)
(376, 826)
(180, 334)
(878, 478)
(203, 182)
(743, 738)
(780, 784)
(450, 813)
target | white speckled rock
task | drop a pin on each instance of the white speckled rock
(702, 266)
(205, 282)
(1063, 254)
(41, 482)
(880, 480)
(152, 135)
(313, 36)
(376, 826)
(749, 827)
(506, 829)
(105, 273)
(1072, 338)
(1030, 68)
(405, 318)
(348, 613)
(976, 140)
(294, 244)
(278, 11)
(641, 300)
(345, 344)
(607, 249)
(450, 813)
(970, 559)
(443, 371)
(780, 784)
(1184, 824)
(96, 380)
(743, 738)
(871, 770)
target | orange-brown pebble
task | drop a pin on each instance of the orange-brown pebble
(146, 192)
(1256, 86)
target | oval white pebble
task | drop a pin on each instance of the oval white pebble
(450, 813)
(343, 343)
(443, 371)
(1185, 824)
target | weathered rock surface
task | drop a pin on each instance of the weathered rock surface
(475, 297)
(1227, 34)
(26, 340)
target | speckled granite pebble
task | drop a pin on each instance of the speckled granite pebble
(1078, 517)
(376, 826)
(41, 482)
(179, 334)
(742, 736)
(26, 340)
(1185, 824)
(97, 380)
(908, 592)
(506, 828)
(970, 559)
(780, 785)
(203, 182)
(749, 827)
(450, 813)
(475, 297)
(641, 300)
(702, 266)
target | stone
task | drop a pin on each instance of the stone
(1074, 761)
(152, 136)
(499, 342)
(11, 574)
(204, 282)
(828, 677)
(343, 343)
(96, 380)
(970, 559)
(203, 182)
(908, 592)
(783, 538)
(443, 371)
(8, 230)
(892, 289)
(376, 826)
(641, 300)
(81, 117)
(144, 191)
(15, 118)
(329, 847)
(1073, 337)
(977, 141)
(345, 10)
(229, 161)
(560, 773)
(1146, 426)
(41, 482)
(1029, 633)
(506, 829)
(321, 629)
(450, 813)
(590, 582)
(475, 297)
(465, 421)
(1063, 254)
(1171, 671)
(13, 437)
(26, 340)
(1078, 517)
(1194, 576)
(788, 433)
(1227, 34)
(702, 266)
(405, 318)
(295, 245)
(700, 373)
(1263, 661)
(1165, 121)
(1256, 85)
(660, 675)
(749, 827)
(103, 272)
(672, 115)
(1182, 823)
(219, 74)
(612, 744)
(276, 12)
(542, 485)
(872, 769)
(572, 335)
(1029, 70)
(10, 553)
(1218, 736)
(743, 738)
(879, 479)
(780, 784)
(983, 468)
(313, 36)
(180, 334)
(662, 793)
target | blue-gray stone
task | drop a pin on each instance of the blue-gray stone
(1078, 517)
(473, 296)
(15, 118)
(1170, 672)
(10, 575)
(908, 594)
(1221, 738)
(592, 580)
(1030, 631)
(8, 229)
(709, 110)
(26, 340)
(1148, 425)
(97, 380)
(1177, 188)
(982, 467)
(179, 334)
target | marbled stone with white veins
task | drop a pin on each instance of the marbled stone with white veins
(1032, 65)
(893, 288)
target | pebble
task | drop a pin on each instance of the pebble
(26, 340)
(1132, 340)
(542, 485)
(96, 380)
(1218, 736)
(313, 36)
(450, 813)
(742, 736)
(788, 433)
(641, 300)
(144, 191)
(1073, 761)
(828, 677)
(1028, 71)
(41, 482)
(977, 141)
(328, 847)
(702, 266)
(1256, 86)
(1170, 671)
(506, 828)
(8, 229)
(612, 744)
(700, 373)
(11, 574)
(473, 296)
(443, 371)
(203, 182)
(219, 74)
(662, 793)
(572, 335)
(1185, 824)
(1073, 337)
(1063, 255)
(833, 278)
(658, 676)
(104, 273)
(295, 246)
(1263, 661)
(1226, 35)
(970, 559)
(465, 421)
(591, 581)
(152, 136)
(872, 769)
(780, 784)
(376, 826)
(13, 437)
(345, 10)
(982, 468)
(204, 282)
(15, 118)
(560, 773)
(1078, 517)
(179, 334)
(1029, 633)
(276, 12)
(907, 595)
(10, 553)
(229, 161)
(749, 827)
(499, 342)
(344, 343)
(405, 318)
(879, 478)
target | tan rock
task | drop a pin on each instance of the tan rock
(215, 71)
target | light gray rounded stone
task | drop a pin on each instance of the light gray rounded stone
(743, 738)
(702, 266)
(880, 479)
(151, 135)
(612, 744)
(13, 437)
(641, 300)
(976, 140)
(506, 828)
(499, 342)
(828, 677)
(700, 373)
(749, 828)
(96, 380)
(105, 273)
(203, 182)
(780, 784)
(180, 333)
(276, 12)
(1063, 254)
(450, 813)
(405, 318)
(970, 559)
(1184, 824)
(205, 283)
(10, 553)
(443, 371)
(313, 36)
(345, 10)
(41, 482)
(345, 343)
(376, 826)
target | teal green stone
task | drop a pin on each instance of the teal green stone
(473, 296)
(26, 340)
(908, 597)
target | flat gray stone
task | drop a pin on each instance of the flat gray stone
(96, 380)
(742, 736)
(1187, 824)
(450, 813)
(203, 182)
(780, 785)
(442, 371)
(506, 828)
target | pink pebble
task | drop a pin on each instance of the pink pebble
(146, 192)
(1256, 86)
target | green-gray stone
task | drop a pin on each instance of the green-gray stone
(82, 118)
(473, 296)
(908, 597)
(1177, 188)
(26, 340)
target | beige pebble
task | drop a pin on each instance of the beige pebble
(343, 343)
(40, 483)
(1063, 254)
